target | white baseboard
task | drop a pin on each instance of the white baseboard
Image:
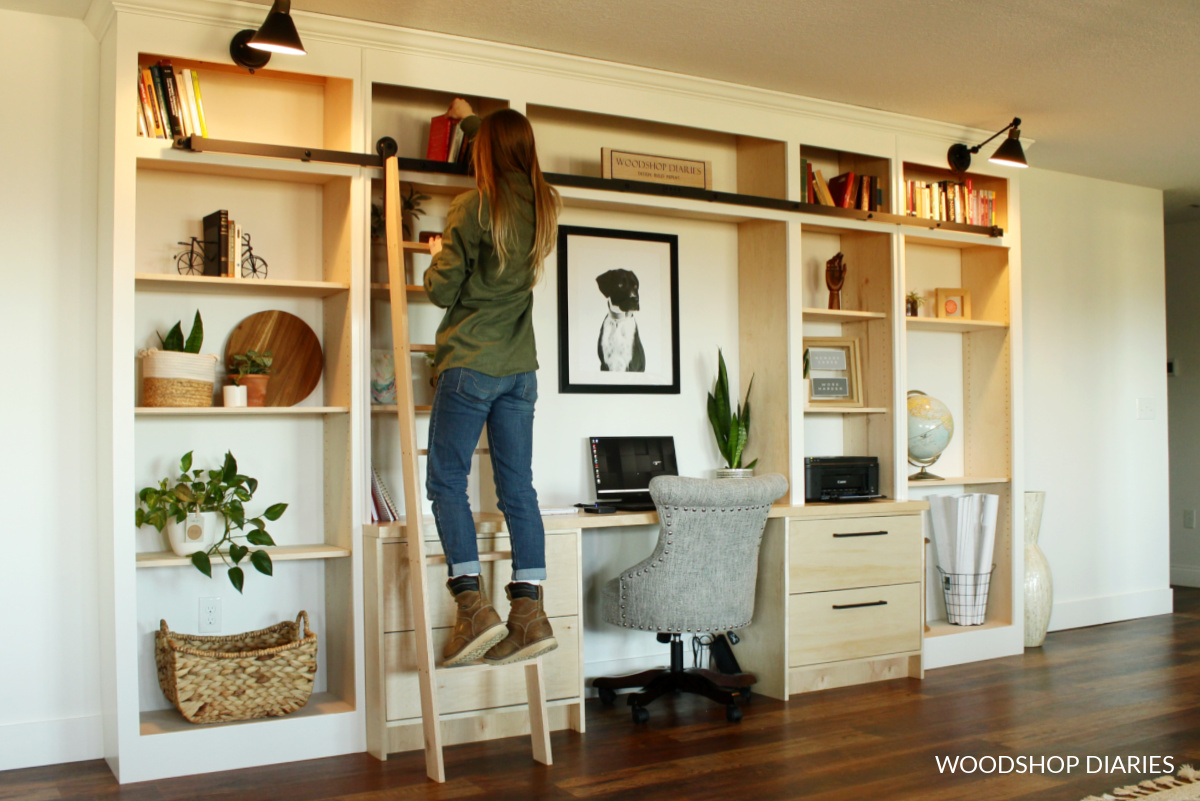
(1185, 576)
(50, 742)
(1110, 609)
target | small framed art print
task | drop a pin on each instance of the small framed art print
(954, 303)
(834, 371)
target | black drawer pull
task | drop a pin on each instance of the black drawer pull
(859, 606)
(863, 534)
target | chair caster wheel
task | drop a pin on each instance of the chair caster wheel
(733, 713)
(640, 714)
(607, 697)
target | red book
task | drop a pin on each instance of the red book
(441, 134)
(842, 189)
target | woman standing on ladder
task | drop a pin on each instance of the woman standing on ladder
(483, 272)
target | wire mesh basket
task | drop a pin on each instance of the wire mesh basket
(966, 596)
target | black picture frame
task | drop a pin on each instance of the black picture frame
(591, 322)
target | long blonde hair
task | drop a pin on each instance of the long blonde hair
(504, 144)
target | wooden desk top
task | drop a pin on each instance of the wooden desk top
(493, 522)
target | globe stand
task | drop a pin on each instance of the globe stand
(923, 474)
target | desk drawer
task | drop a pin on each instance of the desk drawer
(852, 624)
(474, 689)
(855, 552)
(561, 585)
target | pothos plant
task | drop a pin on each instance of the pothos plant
(731, 427)
(224, 491)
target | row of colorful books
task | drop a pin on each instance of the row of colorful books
(447, 142)
(951, 201)
(847, 191)
(169, 102)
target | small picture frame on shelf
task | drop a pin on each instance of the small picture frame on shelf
(834, 371)
(954, 304)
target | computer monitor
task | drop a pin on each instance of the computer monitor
(623, 466)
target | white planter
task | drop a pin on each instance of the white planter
(234, 396)
(199, 531)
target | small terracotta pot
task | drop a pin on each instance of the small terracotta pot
(256, 389)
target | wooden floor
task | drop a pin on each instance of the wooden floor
(1125, 689)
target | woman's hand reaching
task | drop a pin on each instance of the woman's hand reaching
(459, 109)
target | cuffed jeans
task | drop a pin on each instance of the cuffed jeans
(464, 401)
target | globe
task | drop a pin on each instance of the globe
(930, 428)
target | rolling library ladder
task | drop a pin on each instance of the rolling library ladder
(427, 670)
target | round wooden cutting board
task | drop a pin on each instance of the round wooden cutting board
(295, 349)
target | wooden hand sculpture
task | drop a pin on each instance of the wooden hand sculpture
(835, 278)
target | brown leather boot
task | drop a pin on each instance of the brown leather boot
(476, 628)
(529, 632)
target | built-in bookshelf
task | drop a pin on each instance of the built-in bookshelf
(763, 240)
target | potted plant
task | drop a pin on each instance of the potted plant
(912, 303)
(202, 510)
(410, 210)
(177, 374)
(253, 370)
(731, 427)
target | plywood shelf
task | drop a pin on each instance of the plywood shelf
(169, 721)
(942, 628)
(160, 154)
(951, 325)
(958, 481)
(812, 315)
(213, 285)
(844, 409)
(238, 411)
(278, 553)
(391, 408)
(416, 292)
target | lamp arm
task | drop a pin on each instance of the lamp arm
(1016, 123)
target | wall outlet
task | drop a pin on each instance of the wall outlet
(210, 615)
(1146, 409)
(1189, 518)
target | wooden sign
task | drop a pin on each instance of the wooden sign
(656, 169)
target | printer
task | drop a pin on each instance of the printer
(841, 478)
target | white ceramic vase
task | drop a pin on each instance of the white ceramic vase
(199, 531)
(234, 396)
(1039, 586)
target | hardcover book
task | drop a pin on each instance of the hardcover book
(216, 243)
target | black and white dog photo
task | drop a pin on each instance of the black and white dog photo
(619, 346)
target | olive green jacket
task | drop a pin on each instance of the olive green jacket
(488, 324)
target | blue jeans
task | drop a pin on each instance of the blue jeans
(464, 401)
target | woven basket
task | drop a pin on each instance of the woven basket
(170, 378)
(258, 674)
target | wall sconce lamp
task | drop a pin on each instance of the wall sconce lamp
(252, 49)
(1010, 153)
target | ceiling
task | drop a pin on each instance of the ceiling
(1107, 88)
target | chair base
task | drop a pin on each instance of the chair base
(725, 689)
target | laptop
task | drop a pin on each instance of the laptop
(623, 466)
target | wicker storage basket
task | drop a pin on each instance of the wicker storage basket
(170, 378)
(258, 674)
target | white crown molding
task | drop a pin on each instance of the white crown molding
(409, 41)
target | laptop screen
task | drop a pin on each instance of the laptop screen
(623, 466)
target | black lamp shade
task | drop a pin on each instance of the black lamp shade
(278, 32)
(1010, 153)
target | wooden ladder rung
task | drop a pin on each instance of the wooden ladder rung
(476, 667)
(487, 556)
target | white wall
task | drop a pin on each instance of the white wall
(1183, 346)
(1095, 342)
(49, 676)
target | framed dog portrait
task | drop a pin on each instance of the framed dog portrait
(618, 311)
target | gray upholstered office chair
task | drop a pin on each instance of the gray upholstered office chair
(700, 578)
